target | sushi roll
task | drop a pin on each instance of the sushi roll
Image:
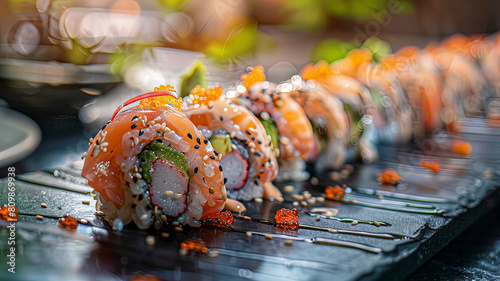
(357, 103)
(394, 117)
(240, 141)
(284, 120)
(149, 162)
(463, 83)
(329, 121)
(420, 81)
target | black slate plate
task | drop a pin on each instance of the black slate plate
(45, 251)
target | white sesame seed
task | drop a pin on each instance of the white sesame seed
(213, 253)
(177, 196)
(258, 200)
(143, 217)
(150, 240)
(43, 205)
(169, 193)
(295, 203)
(248, 234)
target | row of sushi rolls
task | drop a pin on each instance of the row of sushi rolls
(185, 159)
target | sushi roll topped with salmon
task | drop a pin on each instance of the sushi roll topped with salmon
(245, 152)
(150, 163)
(285, 122)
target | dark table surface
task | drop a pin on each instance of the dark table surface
(96, 253)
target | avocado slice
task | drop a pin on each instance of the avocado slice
(221, 143)
(155, 150)
(355, 120)
(271, 130)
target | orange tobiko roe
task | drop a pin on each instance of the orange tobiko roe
(144, 277)
(68, 222)
(219, 219)
(432, 165)
(287, 219)
(461, 147)
(194, 245)
(334, 192)
(389, 176)
(9, 213)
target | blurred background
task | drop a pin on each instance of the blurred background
(65, 65)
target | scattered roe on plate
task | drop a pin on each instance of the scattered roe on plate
(9, 213)
(220, 219)
(389, 176)
(144, 277)
(432, 165)
(194, 245)
(68, 222)
(334, 192)
(461, 147)
(287, 219)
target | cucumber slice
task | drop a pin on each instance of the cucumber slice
(155, 150)
(271, 130)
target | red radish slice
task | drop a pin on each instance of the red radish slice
(235, 169)
(141, 97)
(168, 188)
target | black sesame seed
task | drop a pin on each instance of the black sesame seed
(198, 140)
(141, 132)
(135, 118)
(221, 118)
(211, 157)
(256, 183)
(141, 196)
(196, 146)
(190, 136)
(225, 180)
(247, 132)
(216, 153)
(133, 205)
(259, 142)
(204, 180)
(205, 141)
(134, 179)
(149, 207)
(96, 142)
(256, 154)
(134, 195)
(196, 170)
(253, 138)
(220, 168)
(105, 125)
(133, 126)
